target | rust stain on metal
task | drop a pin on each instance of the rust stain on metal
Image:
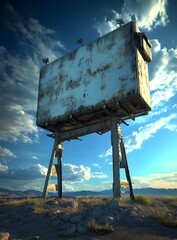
(109, 70)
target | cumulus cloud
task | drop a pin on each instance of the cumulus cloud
(34, 172)
(3, 169)
(106, 153)
(96, 165)
(22, 185)
(164, 180)
(163, 84)
(98, 175)
(148, 15)
(76, 173)
(19, 74)
(80, 173)
(5, 152)
(136, 139)
(79, 186)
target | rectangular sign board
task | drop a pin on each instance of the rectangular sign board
(108, 77)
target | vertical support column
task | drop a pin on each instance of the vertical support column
(59, 169)
(125, 163)
(115, 155)
(132, 197)
(50, 167)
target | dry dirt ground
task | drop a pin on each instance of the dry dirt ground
(56, 219)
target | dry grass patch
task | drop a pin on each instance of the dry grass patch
(37, 204)
(163, 209)
(94, 226)
(143, 200)
(165, 218)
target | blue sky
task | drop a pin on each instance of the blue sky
(31, 30)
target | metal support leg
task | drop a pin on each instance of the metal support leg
(50, 167)
(125, 164)
(127, 170)
(115, 154)
(59, 169)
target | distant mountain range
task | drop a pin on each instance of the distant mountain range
(4, 193)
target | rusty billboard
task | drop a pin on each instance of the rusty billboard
(108, 77)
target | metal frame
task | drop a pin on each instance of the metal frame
(118, 154)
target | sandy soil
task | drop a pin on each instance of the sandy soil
(22, 222)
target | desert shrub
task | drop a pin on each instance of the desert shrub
(116, 199)
(94, 226)
(165, 218)
(140, 199)
(37, 204)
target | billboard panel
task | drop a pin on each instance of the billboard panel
(106, 77)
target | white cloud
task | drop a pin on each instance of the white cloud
(17, 125)
(95, 164)
(156, 46)
(76, 173)
(174, 106)
(3, 168)
(148, 15)
(106, 153)
(136, 139)
(34, 157)
(19, 74)
(98, 175)
(79, 173)
(22, 185)
(4, 152)
(34, 172)
(164, 81)
(164, 180)
(79, 186)
(36, 27)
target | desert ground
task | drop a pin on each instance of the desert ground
(149, 218)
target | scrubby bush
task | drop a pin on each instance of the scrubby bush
(165, 218)
(140, 199)
(94, 226)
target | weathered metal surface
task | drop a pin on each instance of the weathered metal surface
(111, 71)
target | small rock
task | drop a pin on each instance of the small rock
(56, 222)
(4, 236)
(127, 209)
(71, 230)
(54, 214)
(82, 228)
(96, 212)
(62, 226)
(66, 217)
(119, 218)
(133, 222)
(52, 203)
(106, 219)
(76, 219)
(113, 205)
(2, 215)
(36, 237)
(7, 221)
(68, 204)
